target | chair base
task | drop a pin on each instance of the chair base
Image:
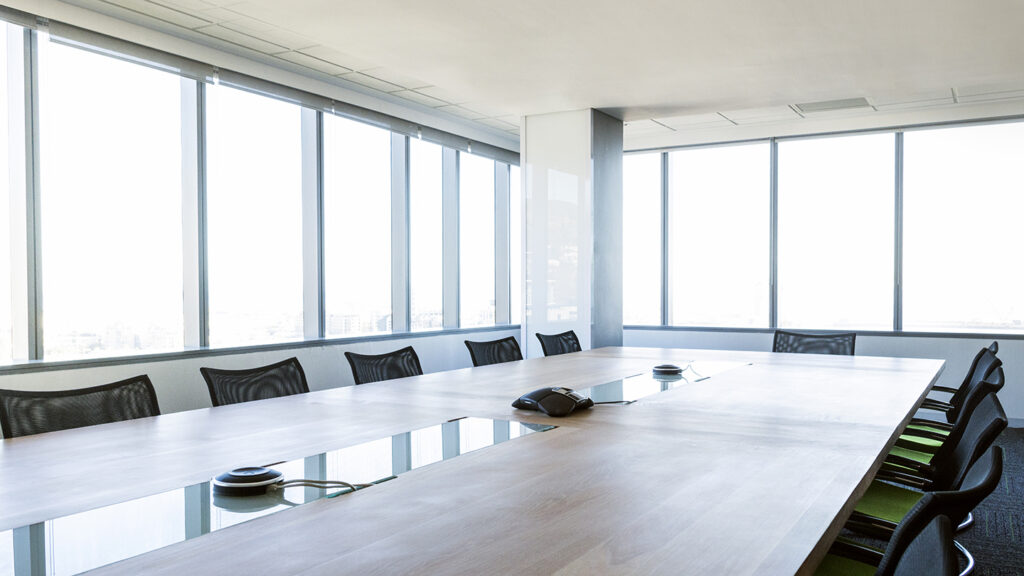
(967, 556)
(967, 523)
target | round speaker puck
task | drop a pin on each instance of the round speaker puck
(246, 481)
(667, 369)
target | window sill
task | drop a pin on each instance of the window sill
(49, 365)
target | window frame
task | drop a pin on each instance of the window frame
(897, 328)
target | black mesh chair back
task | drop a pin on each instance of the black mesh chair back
(955, 457)
(931, 552)
(368, 368)
(985, 362)
(990, 385)
(494, 352)
(555, 344)
(24, 413)
(233, 386)
(795, 342)
(981, 480)
(907, 531)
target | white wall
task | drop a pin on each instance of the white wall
(179, 385)
(957, 352)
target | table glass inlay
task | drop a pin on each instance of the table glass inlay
(87, 540)
(637, 386)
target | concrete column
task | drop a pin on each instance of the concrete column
(572, 191)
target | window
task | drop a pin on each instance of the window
(641, 239)
(357, 227)
(254, 215)
(836, 232)
(476, 241)
(425, 236)
(515, 258)
(6, 235)
(110, 168)
(719, 231)
(963, 199)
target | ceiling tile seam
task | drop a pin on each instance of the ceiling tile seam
(151, 17)
(282, 50)
(328, 62)
(172, 9)
(727, 119)
(663, 125)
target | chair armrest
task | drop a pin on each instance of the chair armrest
(903, 478)
(932, 404)
(945, 389)
(932, 423)
(915, 466)
(856, 551)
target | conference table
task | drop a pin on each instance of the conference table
(749, 465)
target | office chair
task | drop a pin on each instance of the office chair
(931, 438)
(555, 344)
(984, 364)
(884, 506)
(494, 351)
(233, 386)
(23, 413)
(945, 469)
(368, 368)
(795, 342)
(922, 544)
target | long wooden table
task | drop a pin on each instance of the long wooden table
(752, 471)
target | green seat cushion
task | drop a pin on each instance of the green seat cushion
(922, 457)
(834, 565)
(926, 428)
(887, 501)
(922, 444)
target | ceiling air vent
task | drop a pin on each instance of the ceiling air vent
(832, 105)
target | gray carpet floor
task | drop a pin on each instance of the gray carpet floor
(997, 537)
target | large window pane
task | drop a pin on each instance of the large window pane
(6, 231)
(515, 243)
(719, 225)
(357, 227)
(963, 204)
(425, 236)
(641, 239)
(836, 232)
(254, 198)
(110, 158)
(476, 240)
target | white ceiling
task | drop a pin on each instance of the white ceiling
(661, 65)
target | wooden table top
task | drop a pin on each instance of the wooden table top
(752, 471)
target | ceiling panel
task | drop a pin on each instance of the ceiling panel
(420, 98)
(991, 92)
(759, 115)
(695, 121)
(313, 63)
(371, 82)
(637, 127)
(686, 61)
(244, 40)
(166, 14)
